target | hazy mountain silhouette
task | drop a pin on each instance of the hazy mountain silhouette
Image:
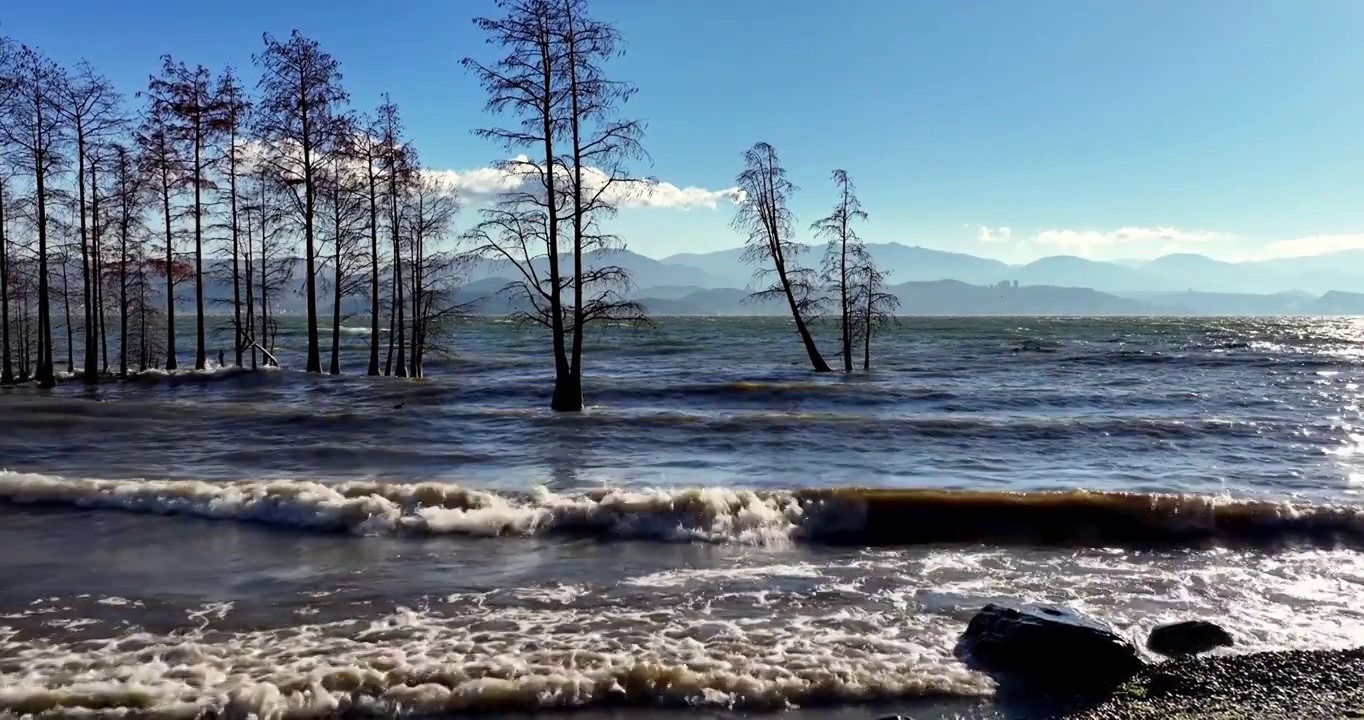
(1171, 273)
(935, 282)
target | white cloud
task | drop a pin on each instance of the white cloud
(485, 184)
(995, 235)
(1314, 245)
(1086, 242)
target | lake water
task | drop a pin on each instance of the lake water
(721, 533)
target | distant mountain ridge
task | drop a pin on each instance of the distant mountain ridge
(1319, 274)
(935, 282)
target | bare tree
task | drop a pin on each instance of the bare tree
(842, 256)
(272, 264)
(92, 108)
(7, 282)
(366, 147)
(187, 97)
(344, 207)
(8, 86)
(526, 84)
(600, 143)
(128, 197)
(398, 158)
(876, 307)
(552, 80)
(163, 164)
(230, 121)
(301, 97)
(32, 136)
(764, 216)
(433, 269)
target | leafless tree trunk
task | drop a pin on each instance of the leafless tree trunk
(162, 161)
(301, 95)
(765, 218)
(233, 111)
(844, 253)
(33, 136)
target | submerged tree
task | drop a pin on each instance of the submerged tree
(6, 283)
(162, 165)
(763, 215)
(230, 121)
(33, 136)
(398, 158)
(876, 307)
(128, 197)
(599, 144)
(92, 109)
(297, 120)
(190, 104)
(366, 146)
(433, 270)
(842, 257)
(552, 80)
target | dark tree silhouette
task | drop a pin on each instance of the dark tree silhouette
(368, 151)
(876, 307)
(842, 257)
(764, 217)
(398, 158)
(33, 136)
(344, 206)
(188, 98)
(8, 86)
(525, 84)
(600, 143)
(6, 359)
(163, 164)
(128, 197)
(433, 273)
(93, 111)
(297, 119)
(551, 79)
(230, 125)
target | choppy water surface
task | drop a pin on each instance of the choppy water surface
(694, 543)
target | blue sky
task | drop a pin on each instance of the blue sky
(1106, 128)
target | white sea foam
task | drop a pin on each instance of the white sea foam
(470, 656)
(711, 514)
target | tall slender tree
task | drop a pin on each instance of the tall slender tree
(230, 124)
(191, 104)
(128, 200)
(92, 109)
(6, 359)
(367, 149)
(398, 158)
(763, 215)
(599, 145)
(526, 83)
(300, 104)
(876, 307)
(33, 136)
(162, 163)
(430, 214)
(842, 256)
(344, 206)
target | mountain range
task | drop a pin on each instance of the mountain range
(936, 282)
(1315, 275)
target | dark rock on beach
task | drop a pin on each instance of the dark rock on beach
(1048, 649)
(1191, 637)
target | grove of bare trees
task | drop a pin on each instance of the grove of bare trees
(119, 211)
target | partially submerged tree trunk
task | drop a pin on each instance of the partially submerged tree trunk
(845, 251)
(765, 218)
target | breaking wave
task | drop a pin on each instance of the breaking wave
(842, 516)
